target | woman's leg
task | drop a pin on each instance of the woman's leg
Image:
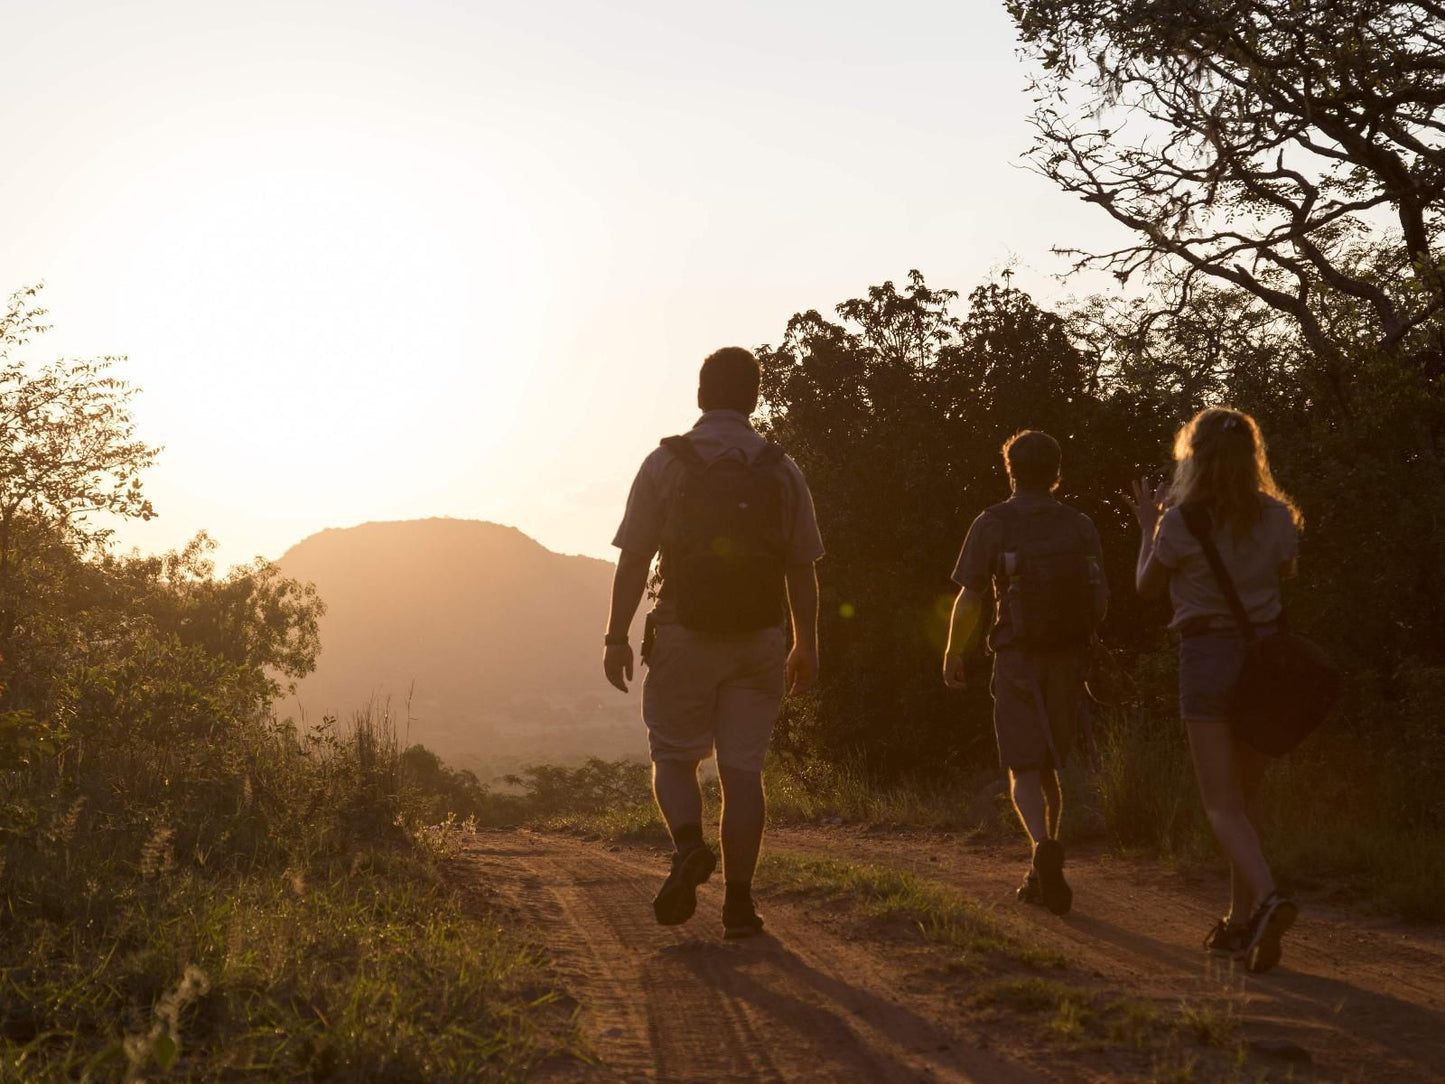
(1251, 764)
(1221, 771)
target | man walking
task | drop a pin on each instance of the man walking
(733, 519)
(1041, 559)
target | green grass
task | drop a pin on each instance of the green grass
(1332, 815)
(279, 911)
(1081, 1015)
(637, 823)
(1171, 1039)
(371, 971)
(969, 932)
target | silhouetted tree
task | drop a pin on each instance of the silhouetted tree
(897, 412)
(1292, 150)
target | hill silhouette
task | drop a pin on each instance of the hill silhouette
(485, 643)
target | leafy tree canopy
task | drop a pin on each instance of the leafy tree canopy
(1290, 148)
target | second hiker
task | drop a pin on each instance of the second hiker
(734, 521)
(1041, 561)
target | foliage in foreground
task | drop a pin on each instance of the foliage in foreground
(303, 933)
(189, 887)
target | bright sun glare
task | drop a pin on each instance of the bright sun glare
(333, 290)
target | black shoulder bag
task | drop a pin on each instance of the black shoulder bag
(1288, 685)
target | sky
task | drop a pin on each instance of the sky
(382, 260)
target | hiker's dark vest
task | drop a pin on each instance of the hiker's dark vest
(723, 546)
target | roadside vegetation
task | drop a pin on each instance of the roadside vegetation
(190, 887)
(1310, 294)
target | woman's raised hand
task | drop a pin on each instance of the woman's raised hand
(1147, 501)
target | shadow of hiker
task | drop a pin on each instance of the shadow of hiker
(1411, 1032)
(847, 1033)
(1148, 949)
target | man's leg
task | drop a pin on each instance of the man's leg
(1053, 800)
(747, 708)
(675, 786)
(677, 698)
(1026, 788)
(742, 823)
(679, 799)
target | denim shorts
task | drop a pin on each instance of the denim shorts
(1209, 667)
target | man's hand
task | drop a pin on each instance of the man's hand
(617, 665)
(953, 672)
(802, 669)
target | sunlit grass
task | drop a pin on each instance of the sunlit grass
(1175, 1038)
(368, 972)
(948, 919)
(314, 937)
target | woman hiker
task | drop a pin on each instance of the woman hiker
(1221, 468)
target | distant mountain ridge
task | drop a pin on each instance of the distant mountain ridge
(494, 638)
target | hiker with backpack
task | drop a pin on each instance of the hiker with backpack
(732, 518)
(1041, 561)
(1219, 540)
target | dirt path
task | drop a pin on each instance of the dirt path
(821, 999)
(1365, 997)
(679, 1004)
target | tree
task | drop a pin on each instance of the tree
(896, 412)
(1289, 148)
(253, 617)
(68, 449)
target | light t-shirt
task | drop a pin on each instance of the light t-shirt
(1254, 562)
(717, 433)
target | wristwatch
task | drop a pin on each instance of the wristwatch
(615, 641)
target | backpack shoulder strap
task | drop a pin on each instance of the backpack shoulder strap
(1197, 519)
(770, 456)
(683, 448)
(1007, 516)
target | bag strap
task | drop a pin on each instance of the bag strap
(1197, 519)
(683, 448)
(1007, 517)
(771, 455)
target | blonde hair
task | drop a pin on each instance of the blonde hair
(1220, 460)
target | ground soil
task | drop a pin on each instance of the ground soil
(829, 995)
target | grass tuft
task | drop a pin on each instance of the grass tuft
(944, 918)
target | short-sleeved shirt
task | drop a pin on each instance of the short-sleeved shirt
(716, 433)
(978, 562)
(1254, 560)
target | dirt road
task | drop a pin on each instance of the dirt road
(825, 998)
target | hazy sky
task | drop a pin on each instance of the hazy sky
(391, 260)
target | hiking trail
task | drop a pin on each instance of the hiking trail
(825, 996)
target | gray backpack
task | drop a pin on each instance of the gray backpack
(1046, 576)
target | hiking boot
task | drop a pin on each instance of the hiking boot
(676, 900)
(741, 920)
(1029, 891)
(1271, 919)
(1049, 865)
(1227, 938)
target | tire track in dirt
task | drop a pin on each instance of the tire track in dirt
(801, 1003)
(1365, 996)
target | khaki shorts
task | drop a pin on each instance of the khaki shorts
(1032, 692)
(706, 691)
